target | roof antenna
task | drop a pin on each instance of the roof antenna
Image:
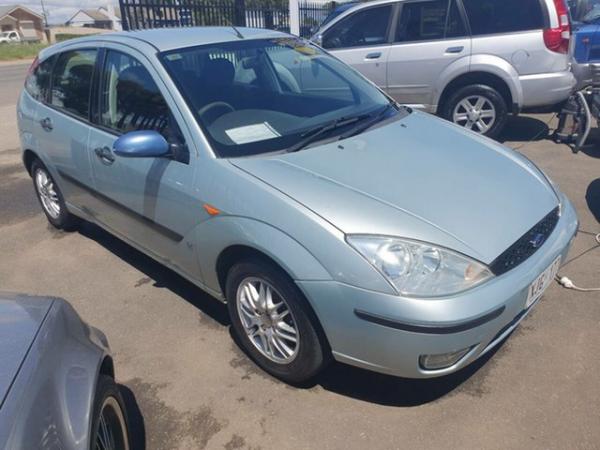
(237, 32)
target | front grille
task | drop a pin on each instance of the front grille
(526, 245)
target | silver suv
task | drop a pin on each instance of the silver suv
(470, 61)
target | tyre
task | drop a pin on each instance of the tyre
(109, 420)
(477, 107)
(51, 198)
(271, 319)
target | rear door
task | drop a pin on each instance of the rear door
(361, 40)
(149, 201)
(62, 122)
(429, 36)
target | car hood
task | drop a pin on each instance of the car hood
(418, 177)
(20, 319)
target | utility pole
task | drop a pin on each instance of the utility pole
(44, 14)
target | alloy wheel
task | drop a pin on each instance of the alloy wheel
(476, 113)
(47, 193)
(112, 432)
(267, 320)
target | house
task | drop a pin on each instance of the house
(29, 24)
(105, 17)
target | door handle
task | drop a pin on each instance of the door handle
(455, 49)
(374, 55)
(47, 124)
(105, 154)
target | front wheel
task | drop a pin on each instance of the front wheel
(109, 426)
(478, 108)
(273, 323)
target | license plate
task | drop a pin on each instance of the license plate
(537, 288)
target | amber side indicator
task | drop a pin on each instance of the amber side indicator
(211, 210)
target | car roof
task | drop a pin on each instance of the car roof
(164, 39)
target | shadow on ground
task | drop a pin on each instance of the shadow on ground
(402, 392)
(592, 197)
(135, 419)
(338, 378)
(524, 129)
(161, 276)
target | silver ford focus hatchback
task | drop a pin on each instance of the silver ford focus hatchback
(334, 222)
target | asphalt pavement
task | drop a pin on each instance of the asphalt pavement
(188, 386)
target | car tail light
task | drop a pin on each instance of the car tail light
(557, 39)
(34, 64)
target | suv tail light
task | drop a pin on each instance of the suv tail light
(557, 39)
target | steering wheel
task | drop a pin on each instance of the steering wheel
(214, 106)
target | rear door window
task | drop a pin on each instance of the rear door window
(72, 82)
(38, 83)
(361, 29)
(504, 16)
(429, 20)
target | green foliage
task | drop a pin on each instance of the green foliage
(23, 50)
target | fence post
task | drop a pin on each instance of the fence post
(294, 17)
(239, 13)
(124, 16)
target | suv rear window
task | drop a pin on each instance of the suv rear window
(504, 16)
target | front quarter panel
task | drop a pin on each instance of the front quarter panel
(49, 405)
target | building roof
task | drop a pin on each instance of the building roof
(98, 15)
(5, 10)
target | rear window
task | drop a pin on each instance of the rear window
(38, 83)
(72, 81)
(504, 16)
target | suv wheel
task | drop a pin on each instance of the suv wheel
(272, 322)
(479, 108)
(50, 198)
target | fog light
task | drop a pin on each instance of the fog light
(437, 362)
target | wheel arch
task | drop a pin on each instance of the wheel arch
(478, 77)
(29, 156)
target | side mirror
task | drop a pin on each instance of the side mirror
(318, 39)
(142, 144)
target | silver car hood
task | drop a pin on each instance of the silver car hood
(20, 319)
(420, 178)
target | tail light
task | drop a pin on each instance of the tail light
(557, 39)
(34, 64)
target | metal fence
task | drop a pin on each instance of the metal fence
(271, 14)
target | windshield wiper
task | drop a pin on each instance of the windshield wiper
(361, 127)
(313, 135)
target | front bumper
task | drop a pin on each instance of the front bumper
(408, 328)
(547, 89)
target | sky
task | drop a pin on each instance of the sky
(59, 11)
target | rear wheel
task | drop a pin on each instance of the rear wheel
(51, 198)
(270, 318)
(109, 426)
(479, 108)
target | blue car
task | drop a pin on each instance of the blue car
(586, 38)
(334, 222)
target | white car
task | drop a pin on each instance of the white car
(9, 36)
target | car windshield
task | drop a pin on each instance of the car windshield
(4, 34)
(269, 95)
(592, 15)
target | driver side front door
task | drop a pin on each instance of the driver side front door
(148, 201)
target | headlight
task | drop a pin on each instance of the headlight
(418, 269)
